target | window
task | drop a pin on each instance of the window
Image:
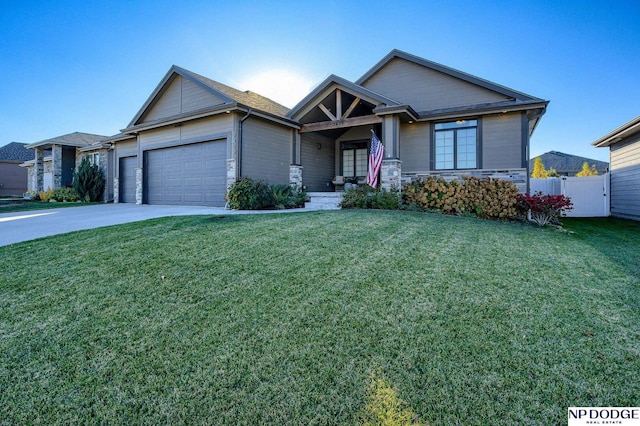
(456, 145)
(354, 159)
(94, 159)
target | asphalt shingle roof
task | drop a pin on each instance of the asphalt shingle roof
(16, 151)
(248, 98)
(77, 139)
(567, 163)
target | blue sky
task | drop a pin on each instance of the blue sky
(89, 65)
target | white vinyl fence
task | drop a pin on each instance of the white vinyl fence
(589, 194)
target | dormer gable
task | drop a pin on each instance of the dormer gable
(178, 93)
(428, 86)
(338, 100)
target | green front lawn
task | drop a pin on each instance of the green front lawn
(28, 205)
(320, 318)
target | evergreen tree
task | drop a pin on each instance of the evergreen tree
(88, 181)
(538, 169)
(587, 171)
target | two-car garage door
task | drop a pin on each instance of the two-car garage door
(188, 175)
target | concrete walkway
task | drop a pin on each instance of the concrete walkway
(29, 225)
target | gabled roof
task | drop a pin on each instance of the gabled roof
(355, 89)
(77, 139)
(232, 97)
(446, 70)
(247, 98)
(567, 163)
(618, 134)
(16, 152)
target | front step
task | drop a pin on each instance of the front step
(323, 201)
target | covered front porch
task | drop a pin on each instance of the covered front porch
(331, 150)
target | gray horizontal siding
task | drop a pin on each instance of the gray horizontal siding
(426, 89)
(180, 96)
(193, 131)
(414, 147)
(318, 164)
(502, 141)
(266, 151)
(625, 178)
(127, 148)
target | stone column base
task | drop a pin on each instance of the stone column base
(138, 185)
(116, 190)
(295, 176)
(231, 172)
(390, 174)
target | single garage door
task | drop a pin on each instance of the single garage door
(189, 174)
(127, 183)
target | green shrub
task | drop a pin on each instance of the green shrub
(288, 196)
(88, 181)
(249, 194)
(366, 197)
(65, 194)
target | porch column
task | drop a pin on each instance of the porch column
(39, 170)
(295, 169)
(390, 173)
(391, 136)
(56, 166)
(139, 185)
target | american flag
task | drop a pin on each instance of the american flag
(375, 161)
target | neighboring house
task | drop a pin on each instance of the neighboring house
(194, 137)
(567, 164)
(56, 160)
(13, 178)
(624, 156)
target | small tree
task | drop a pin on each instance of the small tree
(552, 172)
(88, 181)
(587, 171)
(538, 169)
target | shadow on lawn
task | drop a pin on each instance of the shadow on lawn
(618, 239)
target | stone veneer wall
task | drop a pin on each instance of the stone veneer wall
(295, 175)
(517, 176)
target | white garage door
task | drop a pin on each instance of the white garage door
(187, 175)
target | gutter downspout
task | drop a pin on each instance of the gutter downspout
(249, 111)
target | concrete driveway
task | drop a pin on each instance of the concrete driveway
(25, 226)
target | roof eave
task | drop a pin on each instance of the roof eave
(119, 138)
(94, 147)
(49, 142)
(618, 134)
(405, 112)
(489, 109)
(203, 113)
